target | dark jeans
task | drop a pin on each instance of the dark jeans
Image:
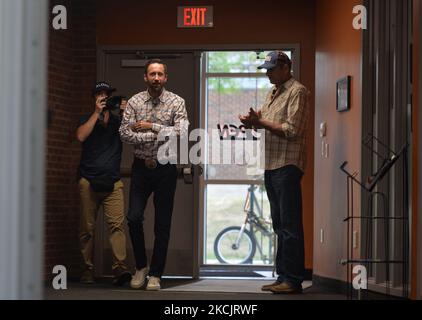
(162, 182)
(285, 197)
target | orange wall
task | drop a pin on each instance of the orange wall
(416, 176)
(134, 22)
(338, 53)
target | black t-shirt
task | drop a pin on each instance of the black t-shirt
(101, 151)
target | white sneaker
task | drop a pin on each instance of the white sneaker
(153, 283)
(138, 279)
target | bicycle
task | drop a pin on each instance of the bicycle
(237, 245)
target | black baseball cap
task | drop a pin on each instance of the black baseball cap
(102, 86)
(275, 57)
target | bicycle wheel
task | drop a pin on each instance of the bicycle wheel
(225, 248)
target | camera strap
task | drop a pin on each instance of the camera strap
(101, 116)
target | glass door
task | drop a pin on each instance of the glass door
(237, 224)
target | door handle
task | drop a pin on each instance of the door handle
(200, 170)
(187, 173)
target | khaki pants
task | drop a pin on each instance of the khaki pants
(113, 206)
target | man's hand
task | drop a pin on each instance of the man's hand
(142, 126)
(254, 117)
(100, 103)
(252, 120)
(245, 121)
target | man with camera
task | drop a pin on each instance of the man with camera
(99, 180)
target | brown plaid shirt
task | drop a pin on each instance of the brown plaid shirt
(167, 113)
(289, 106)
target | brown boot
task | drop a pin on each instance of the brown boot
(267, 287)
(285, 288)
(121, 276)
(87, 277)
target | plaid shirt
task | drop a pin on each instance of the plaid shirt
(289, 106)
(167, 114)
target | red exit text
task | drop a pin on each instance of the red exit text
(194, 17)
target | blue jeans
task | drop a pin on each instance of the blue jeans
(285, 197)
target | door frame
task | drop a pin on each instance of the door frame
(198, 181)
(295, 49)
(417, 145)
(102, 52)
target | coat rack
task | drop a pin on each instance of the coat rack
(387, 162)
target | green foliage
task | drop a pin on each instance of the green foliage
(230, 62)
(223, 85)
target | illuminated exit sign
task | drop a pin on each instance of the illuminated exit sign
(195, 17)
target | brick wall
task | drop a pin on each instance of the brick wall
(71, 74)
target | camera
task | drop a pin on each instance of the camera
(114, 102)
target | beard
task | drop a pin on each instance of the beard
(156, 87)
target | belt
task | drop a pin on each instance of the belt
(150, 163)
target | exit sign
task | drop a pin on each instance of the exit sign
(195, 17)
